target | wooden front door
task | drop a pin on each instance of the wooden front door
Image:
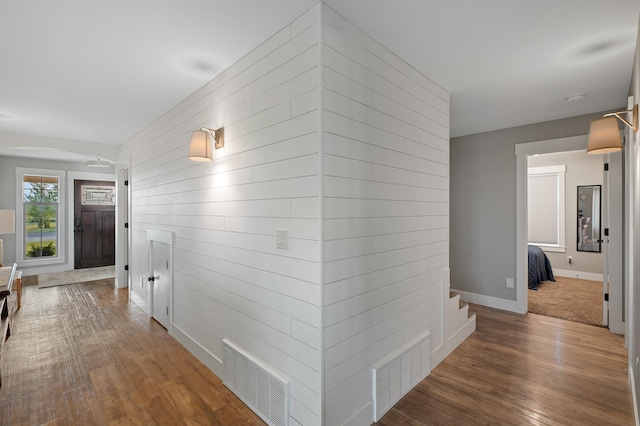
(94, 224)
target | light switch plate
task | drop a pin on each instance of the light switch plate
(282, 239)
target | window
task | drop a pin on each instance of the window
(40, 216)
(546, 207)
(40, 209)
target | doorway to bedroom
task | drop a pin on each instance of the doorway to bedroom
(565, 255)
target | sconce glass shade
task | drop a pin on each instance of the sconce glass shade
(7, 222)
(200, 148)
(604, 136)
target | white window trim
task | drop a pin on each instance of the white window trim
(62, 217)
(559, 171)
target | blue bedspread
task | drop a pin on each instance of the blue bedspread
(539, 267)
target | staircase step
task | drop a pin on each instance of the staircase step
(462, 304)
(453, 294)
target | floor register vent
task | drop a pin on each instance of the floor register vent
(256, 384)
(395, 375)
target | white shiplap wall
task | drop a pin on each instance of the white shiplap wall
(230, 280)
(374, 183)
(385, 211)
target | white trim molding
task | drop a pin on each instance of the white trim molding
(578, 274)
(62, 253)
(523, 150)
(488, 301)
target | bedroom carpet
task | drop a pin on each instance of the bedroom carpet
(570, 299)
(76, 276)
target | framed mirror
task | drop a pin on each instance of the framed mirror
(589, 201)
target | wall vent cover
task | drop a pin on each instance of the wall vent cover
(396, 374)
(256, 384)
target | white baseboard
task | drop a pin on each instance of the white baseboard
(449, 345)
(203, 355)
(139, 302)
(462, 334)
(488, 301)
(362, 417)
(577, 274)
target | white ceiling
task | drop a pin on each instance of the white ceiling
(99, 72)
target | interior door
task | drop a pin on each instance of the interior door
(613, 240)
(161, 282)
(94, 224)
(604, 239)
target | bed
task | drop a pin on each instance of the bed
(539, 267)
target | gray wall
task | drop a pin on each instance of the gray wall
(8, 188)
(483, 203)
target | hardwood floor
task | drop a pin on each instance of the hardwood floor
(81, 354)
(524, 370)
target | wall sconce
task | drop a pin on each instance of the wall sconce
(7, 226)
(200, 147)
(604, 135)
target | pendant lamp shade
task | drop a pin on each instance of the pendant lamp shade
(200, 148)
(604, 136)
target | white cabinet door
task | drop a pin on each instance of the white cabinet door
(161, 283)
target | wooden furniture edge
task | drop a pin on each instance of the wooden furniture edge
(5, 312)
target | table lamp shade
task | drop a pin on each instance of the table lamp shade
(7, 226)
(7, 222)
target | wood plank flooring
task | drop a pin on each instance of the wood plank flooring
(524, 370)
(82, 354)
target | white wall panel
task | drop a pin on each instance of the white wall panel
(281, 57)
(288, 90)
(389, 153)
(230, 279)
(405, 298)
(308, 208)
(346, 268)
(350, 228)
(252, 208)
(385, 210)
(285, 169)
(289, 129)
(362, 361)
(305, 103)
(301, 228)
(347, 167)
(380, 118)
(329, 136)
